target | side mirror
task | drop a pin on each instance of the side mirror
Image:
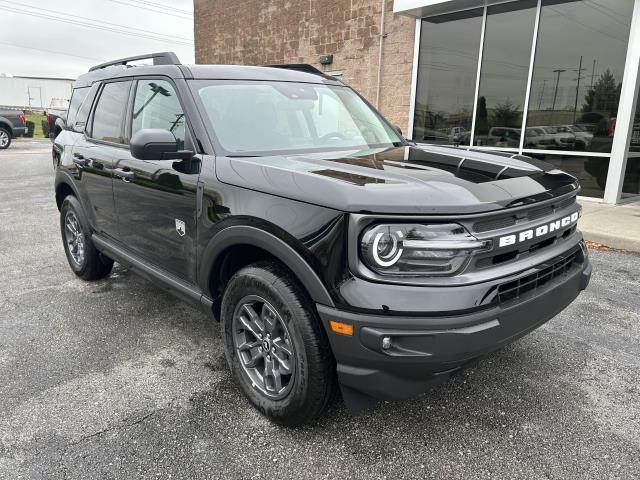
(156, 144)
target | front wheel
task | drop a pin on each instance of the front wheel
(275, 345)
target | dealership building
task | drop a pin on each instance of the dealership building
(554, 79)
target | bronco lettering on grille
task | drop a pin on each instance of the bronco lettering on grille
(539, 231)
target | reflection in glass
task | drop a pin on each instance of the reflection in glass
(447, 71)
(156, 106)
(631, 183)
(577, 77)
(504, 73)
(590, 171)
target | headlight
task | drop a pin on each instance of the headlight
(418, 250)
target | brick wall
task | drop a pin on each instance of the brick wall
(299, 31)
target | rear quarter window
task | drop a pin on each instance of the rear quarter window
(77, 97)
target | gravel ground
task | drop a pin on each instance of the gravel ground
(116, 379)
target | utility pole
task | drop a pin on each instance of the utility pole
(593, 73)
(544, 82)
(555, 93)
(575, 105)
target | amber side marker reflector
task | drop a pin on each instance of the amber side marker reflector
(341, 328)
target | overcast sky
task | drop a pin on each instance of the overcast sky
(64, 38)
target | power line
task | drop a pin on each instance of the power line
(99, 27)
(52, 51)
(163, 6)
(148, 9)
(100, 22)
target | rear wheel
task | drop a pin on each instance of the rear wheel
(275, 344)
(5, 138)
(83, 257)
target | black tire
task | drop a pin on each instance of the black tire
(313, 386)
(5, 138)
(93, 265)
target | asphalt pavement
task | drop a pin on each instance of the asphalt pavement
(117, 379)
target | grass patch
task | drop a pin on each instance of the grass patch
(37, 119)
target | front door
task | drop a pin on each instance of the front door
(156, 199)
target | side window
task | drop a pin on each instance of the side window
(77, 97)
(109, 112)
(156, 105)
(79, 123)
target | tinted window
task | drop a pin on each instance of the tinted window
(77, 97)
(157, 106)
(109, 112)
(577, 77)
(505, 70)
(447, 71)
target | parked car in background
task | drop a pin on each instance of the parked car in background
(457, 134)
(582, 136)
(12, 124)
(562, 140)
(504, 137)
(56, 120)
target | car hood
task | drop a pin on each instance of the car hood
(421, 179)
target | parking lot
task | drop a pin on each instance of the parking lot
(116, 379)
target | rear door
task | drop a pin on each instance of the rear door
(96, 152)
(156, 199)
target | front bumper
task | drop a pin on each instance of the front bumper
(423, 351)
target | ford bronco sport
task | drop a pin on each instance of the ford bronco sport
(335, 253)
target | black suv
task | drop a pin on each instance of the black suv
(333, 251)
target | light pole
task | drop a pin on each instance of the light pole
(555, 93)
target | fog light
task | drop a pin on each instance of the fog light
(386, 343)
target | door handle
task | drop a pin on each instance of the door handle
(80, 160)
(126, 175)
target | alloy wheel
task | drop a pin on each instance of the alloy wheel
(4, 138)
(74, 238)
(263, 346)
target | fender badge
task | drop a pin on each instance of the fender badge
(180, 227)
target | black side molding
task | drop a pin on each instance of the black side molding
(187, 292)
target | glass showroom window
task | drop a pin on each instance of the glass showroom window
(447, 73)
(576, 84)
(505, 71)
(631, 184)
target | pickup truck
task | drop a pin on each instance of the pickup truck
(12, 124)
(56, 119)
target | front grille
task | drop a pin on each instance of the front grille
(519, 253)
(534, 213)
(548, 271)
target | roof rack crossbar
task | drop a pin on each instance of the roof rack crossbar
(301, 67)
(161, 58)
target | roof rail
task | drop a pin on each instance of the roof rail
(161, 58)
(301, 67)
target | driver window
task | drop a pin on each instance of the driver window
(156, 105)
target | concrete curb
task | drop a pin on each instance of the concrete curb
(616, 226)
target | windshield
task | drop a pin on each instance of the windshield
(250, 118)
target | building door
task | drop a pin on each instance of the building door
(35, 97)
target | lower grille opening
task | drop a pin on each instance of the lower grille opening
(553, 269)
